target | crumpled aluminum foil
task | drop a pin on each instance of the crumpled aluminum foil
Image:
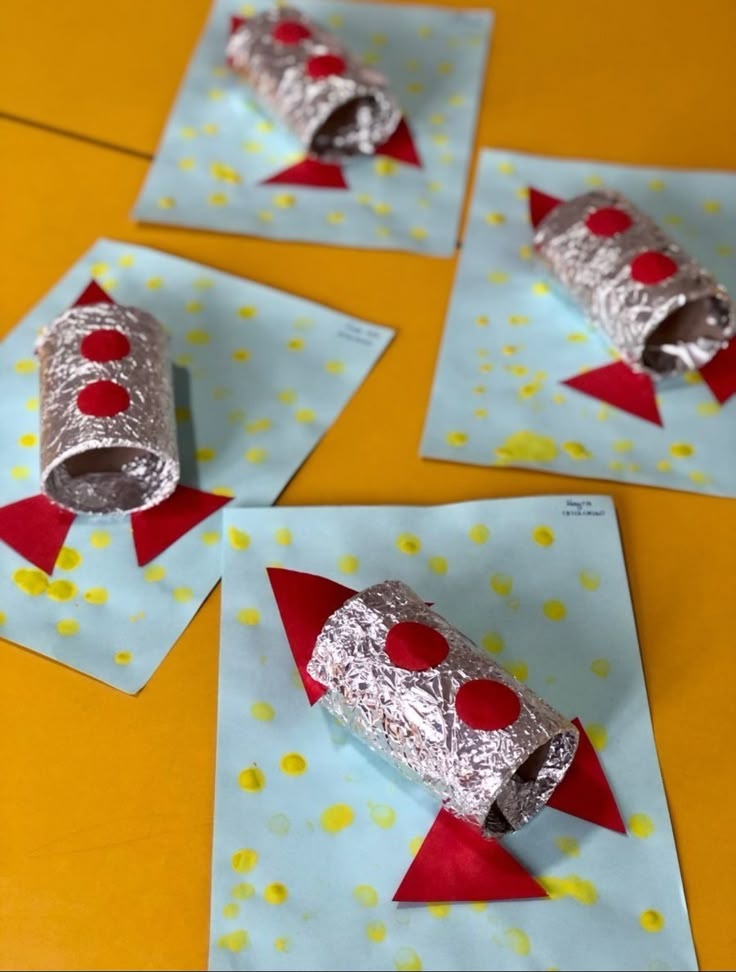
(334, 117)
(124, 463)
(670, 327)
(497, 780)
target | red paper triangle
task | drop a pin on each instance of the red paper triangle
(616, 384)
(236, 23)
(156, 529)
(93, 294)
(310, 172)
(401, 146)
(305, 602)
(720, 373)
(585, 792)
(457, 863)
(35, 528)
(540, 204)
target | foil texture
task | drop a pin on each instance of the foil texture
(334, 117)
(670, 327)
(496, 780)
(124, 463)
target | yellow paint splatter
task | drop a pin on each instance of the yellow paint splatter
(210, 538)
(600, 667)
(456, 438)
(707, 408)
(335, 367)
(348, 564)
(641, 825)
(283, 537)
(365, 895)
(282, 944)
(375, 931)
(61, 590)
(67, 627)
(502, 584)
(408, 543)
(262, 711)
(544, 536)
(479, 533)
(526, 446)
(68, 559)
(518, 670)
(540, 288)
(279, 824)
(414, 844)
(275, 893)
(234, 941)
(247, 311)
(597, 735)
(495, 219)
(293, 764)
(497, 277)
(589, 579)
(244, 890)
(407, 960)
(651, 920)
(26, 366)
(336, 818)
(385, 167)
(182, 594)
(31, 582)
(383, 816)
(701, 478)
(576, 450)
(554, 610)
(154, 573)
(681, 450)
(568, 845)
(256, 455)
(438, 565)
(517, 940)
(572, 886)
(249, 616)
(439, 910)
(284, 200)
(100, 539)
(27, 440)
(231, 910)
(492, 642)
(123, 657)
(252, 779)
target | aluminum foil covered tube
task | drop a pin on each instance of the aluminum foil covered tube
(335, 105)
(659, 308)
(419, 692)
(108, 435)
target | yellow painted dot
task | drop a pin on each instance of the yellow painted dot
(279, 824)
(492, 642)
(154, 573)
(700, 477)
(226, 173)
(656, 185)
(576, 450)
(540, 288)
(198, 337)
(681, 450)
(724, 250)
(231, 910)
(296, 344)
(166, 202)
(407, 960)
(597, 735)
(554, 610)
(32, 582)
(502, 584)
(711, 206)
(516, 369)
(415, 87)
(439, 910)
(284, 200)
(577, 337)
(218, 199)
(479, 533)
(516, 320)
(32, 404)
(335, 367)
(600, 667)
(234, 941)
(275, 893)
(68, 559)
(252, 779)
(223, 491)
(335, 218)
(497, 277)
(20, 472)
(26, 366)
(527, 446)
(67, 627)
(708, 408)
(408, 543)
(182, 594)
(205, 454)
(385, 167)
(258, 425)
(336, 817)
(244, 890)
(418, 233)
(572, 886)
(673, 219)
(518, 670)
(495, 219)
(282, 944)
(568, 845)
(375, 931)
(517, 940)
(522, 193)
(651, 920)
(61, 590)
(123, 657)
(305, 415)
(641, 825)
(348, 564)
(525, 252)
(414, 844)
(247, 312)
(27, 440)
(482, 321)
(249, 616)
(456, 438)
(187, 164)
(383, 816)
(256, 455)
(244, 860)
(293, 764)
(262, 711)
(365, 895)
(283, 537)
(544, 536)
(210, 538)
(437, 565)
(100, 539)
(589, 579)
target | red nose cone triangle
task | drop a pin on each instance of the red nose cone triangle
(585, 792)
(35, 528)
(720, 373)
(156, 529)
(236, 23)
(401, 146)
(457, 863)
(93, 294)
(616, 384)
(540, 204)
(305, 602)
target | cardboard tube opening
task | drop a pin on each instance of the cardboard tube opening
(122, 477)
(341, 129)
(688, 337)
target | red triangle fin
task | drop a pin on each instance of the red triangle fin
(36, 528)
(616, 384)
(720, 373)
(155, 530)
(93, 294)
(401, 146)
(540, 205)
(312, 173)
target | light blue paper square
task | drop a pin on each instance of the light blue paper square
(586, 664)
(512, 336)
(220, 143)
(260, 376)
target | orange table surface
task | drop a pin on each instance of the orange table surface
(106, 800)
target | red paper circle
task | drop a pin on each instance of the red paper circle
(486, 704)
(323, 65)
(416, 646)
(608, 221)
(652, 267)
(105, 344)
(103, 399)
(290, 32)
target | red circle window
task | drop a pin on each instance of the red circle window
(416, 646)
(103, 399)
(324, 65)
(487, 704)
(105, 344)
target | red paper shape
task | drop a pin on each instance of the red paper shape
(652, 267)
(290, 32)
(540, 204)
(93, 294)
(305, 602)
(35, 528)
(416, 647)
(155, 530)
(487, 704)
(324, 66)
(585, 792)
(310, 172)
(457, 863)
(105, 344)
(103, 399)
(616, 384)
(401, 146)
(720, 373)
(608, 221)
(236, 23)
